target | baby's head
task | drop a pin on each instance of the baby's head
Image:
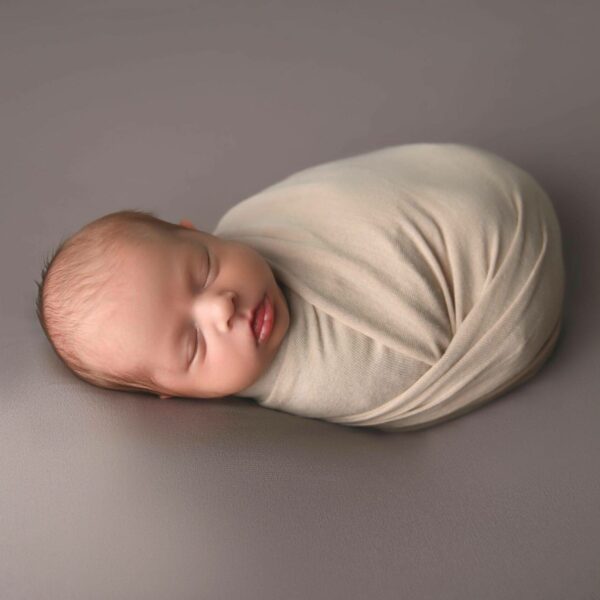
(132, 302)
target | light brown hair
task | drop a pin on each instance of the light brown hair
(72, 282)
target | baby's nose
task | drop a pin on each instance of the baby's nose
(216, 310)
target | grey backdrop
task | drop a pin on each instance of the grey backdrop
(185, 108)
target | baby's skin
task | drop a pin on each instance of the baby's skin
(182, 306)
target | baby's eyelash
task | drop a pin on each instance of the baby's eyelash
(209, 265)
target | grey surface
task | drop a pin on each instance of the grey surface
(185, 108)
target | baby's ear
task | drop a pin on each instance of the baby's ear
(187, 223)
(164, 396)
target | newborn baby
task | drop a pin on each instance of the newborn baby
(402, 287)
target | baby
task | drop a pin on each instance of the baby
(134, 303)
(395, 289)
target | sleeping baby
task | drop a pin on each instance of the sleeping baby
(394, 289)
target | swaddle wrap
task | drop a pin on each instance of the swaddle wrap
(422, 280)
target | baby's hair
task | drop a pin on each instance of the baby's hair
(73, 280)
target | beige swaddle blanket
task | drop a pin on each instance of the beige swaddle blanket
(423, 280)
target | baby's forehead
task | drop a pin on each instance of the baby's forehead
(122, 260)
(149, 254)
(130, 245)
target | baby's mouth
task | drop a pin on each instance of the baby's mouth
(263, 321)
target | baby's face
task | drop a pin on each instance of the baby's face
(187, 319)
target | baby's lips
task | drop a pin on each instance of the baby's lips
(255, 314)
(267, 320)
